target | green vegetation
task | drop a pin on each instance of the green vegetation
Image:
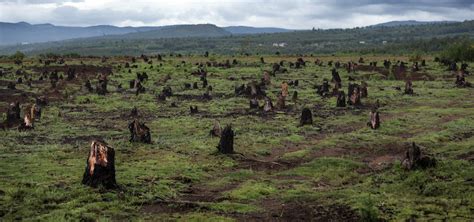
(336, 168)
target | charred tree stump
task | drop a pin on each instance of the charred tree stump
(295, 96)
(268, 107)
(323, 90)
(226, 144)
(13, 115)
(100, 166)
(341, 99)
(353, 95)
(139, 132)
(414, 159)
(363, 90)
(281, 102)
(374, 122)
(408, 87)
(193, 109)
(306, 117)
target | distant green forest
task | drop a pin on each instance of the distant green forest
(399, 39)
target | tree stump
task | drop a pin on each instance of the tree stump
(363, 90)
(281, 102)
(28, 120)
(374, 121)
(268, 107)
(216, 130)
(36, 112)
(354, 95)
(295, 96)
(193, 109)
(266, 78)
(284, 89)
(139, 132)
(226, 143)
(323, 90)
(408, 87)
(13, 115)
(341, 99)
(100, 166)
(414, 159)
(336, 78)
(306, 117)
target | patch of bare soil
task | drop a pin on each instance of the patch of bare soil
(276, 210)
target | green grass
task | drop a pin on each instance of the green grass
(327, 163)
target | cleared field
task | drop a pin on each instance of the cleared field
(336, 169)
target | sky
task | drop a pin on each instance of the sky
(293, 14)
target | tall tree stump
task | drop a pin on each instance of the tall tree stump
(226, 143)
(374, 121)
(306, 117)
(281, 102)
(341, 99)
(284, 89)
(100, 166)
(408, 87)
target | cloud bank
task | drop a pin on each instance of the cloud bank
(295, 14)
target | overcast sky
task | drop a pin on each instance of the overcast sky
(294, 14)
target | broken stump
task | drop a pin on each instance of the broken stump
(100, 166)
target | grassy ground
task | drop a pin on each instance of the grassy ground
(336, 169)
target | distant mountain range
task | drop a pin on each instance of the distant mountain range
(409, 22)
(25, 33)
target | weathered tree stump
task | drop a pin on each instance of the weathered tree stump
(28, 120)
(268, 106)
(336, 78)
(216, 129)
(363, 90)
(408, 87)
(354, 95)
(281, 102)
(414, 158)
(36, 111)
(306, 117)
(294, 98)
(284, 89)
(13, 115)
(323, 90)
(139, 132)
(88, 86)
(100, 166)
(374, 121)
(226, 143)
(266, 78)
(341, 99)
